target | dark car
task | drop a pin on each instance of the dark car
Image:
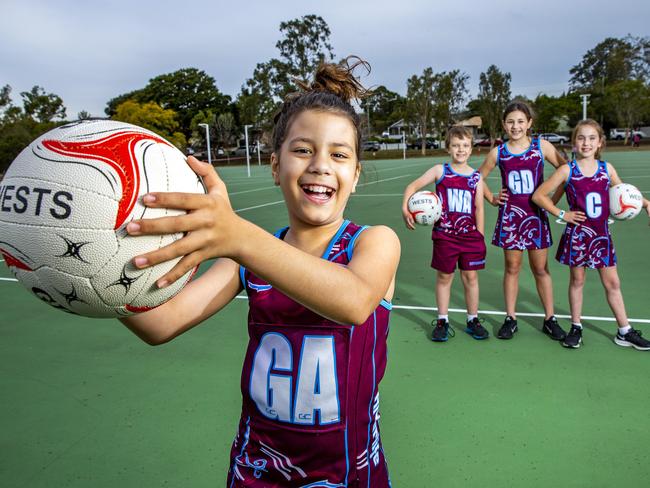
(417, 144)
(486, 142)
(373, 146)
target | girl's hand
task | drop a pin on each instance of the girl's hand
(574, 217)
(500, 199)
(647, 208)
(208, 225)
(408, 219)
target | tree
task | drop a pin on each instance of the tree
(548, 111)
(493, 97)
(419, 101)
(152, 116)
(449, 93)
(84, 115)
(42, 106)
(382, 107)
(225, 128)
(19, 126)
(630, 101)
(611, 61)
(186, 92)
(304, 45)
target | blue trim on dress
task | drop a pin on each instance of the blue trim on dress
(350, 248)
(335, 239)
(242, 272)
(444, 173)
(505, 146)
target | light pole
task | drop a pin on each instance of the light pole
(585, 101)
(403, 145)
(248, 156)
(207, 138)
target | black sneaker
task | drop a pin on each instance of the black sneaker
(632, 339)
(574, 338)
(552, 329)
(441, 331)
(476, 329)
(508, 328)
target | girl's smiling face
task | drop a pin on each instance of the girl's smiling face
(587, 141)
(317, 167)
(516, 124)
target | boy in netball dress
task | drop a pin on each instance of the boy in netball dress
(458, 235)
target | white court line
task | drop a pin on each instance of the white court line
(249, 191)
(385, 179)
(497, 312)
(483, 312)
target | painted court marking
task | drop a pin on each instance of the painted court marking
(483, 312)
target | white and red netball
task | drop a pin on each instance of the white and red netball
(64, 205)
(425, 207)
(625, 201)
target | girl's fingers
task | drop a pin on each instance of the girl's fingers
(206, 171)
(181, 247)
(167, 225)
(187, 263)
(183, 201)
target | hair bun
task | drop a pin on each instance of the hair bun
(338, 79)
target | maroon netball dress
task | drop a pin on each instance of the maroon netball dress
(588, 244)
(456, 240)
(521, 224)
(310, 413)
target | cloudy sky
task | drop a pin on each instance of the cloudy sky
(88, 52)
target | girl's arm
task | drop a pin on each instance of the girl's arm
(480, 212)
(486, 168)
(201, 298)
(614, 180)
(551, 154)
(541, 198)
(431, 176)
(345, 294)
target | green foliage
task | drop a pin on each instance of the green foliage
(493, 96)
(629, 100)
(382, 108)
(152, 116)
(20, 126)
(186, 92)
(419, 101)
(548, 111)
(42, 106)
(304, 45)
(450, 91)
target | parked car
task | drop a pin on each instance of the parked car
(373, 146)
(417, 144)
(619, 134)
(554, 138)
(486, 142)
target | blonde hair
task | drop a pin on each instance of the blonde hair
(596, 126)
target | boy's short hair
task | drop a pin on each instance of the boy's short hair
(460, 132)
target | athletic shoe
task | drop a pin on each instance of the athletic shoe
(632, 339)
(573, 338)
(476, 329)
(552, 329)
(508, 328)
(442, 330)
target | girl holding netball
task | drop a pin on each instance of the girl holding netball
(319, 295)
(586, 242)
(521, 224)
(458, 235)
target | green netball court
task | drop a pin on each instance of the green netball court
(85, 403)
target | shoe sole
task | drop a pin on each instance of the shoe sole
(478, 338)
(619, 342)
(568, 346)
(552, 336)
(440, 340)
